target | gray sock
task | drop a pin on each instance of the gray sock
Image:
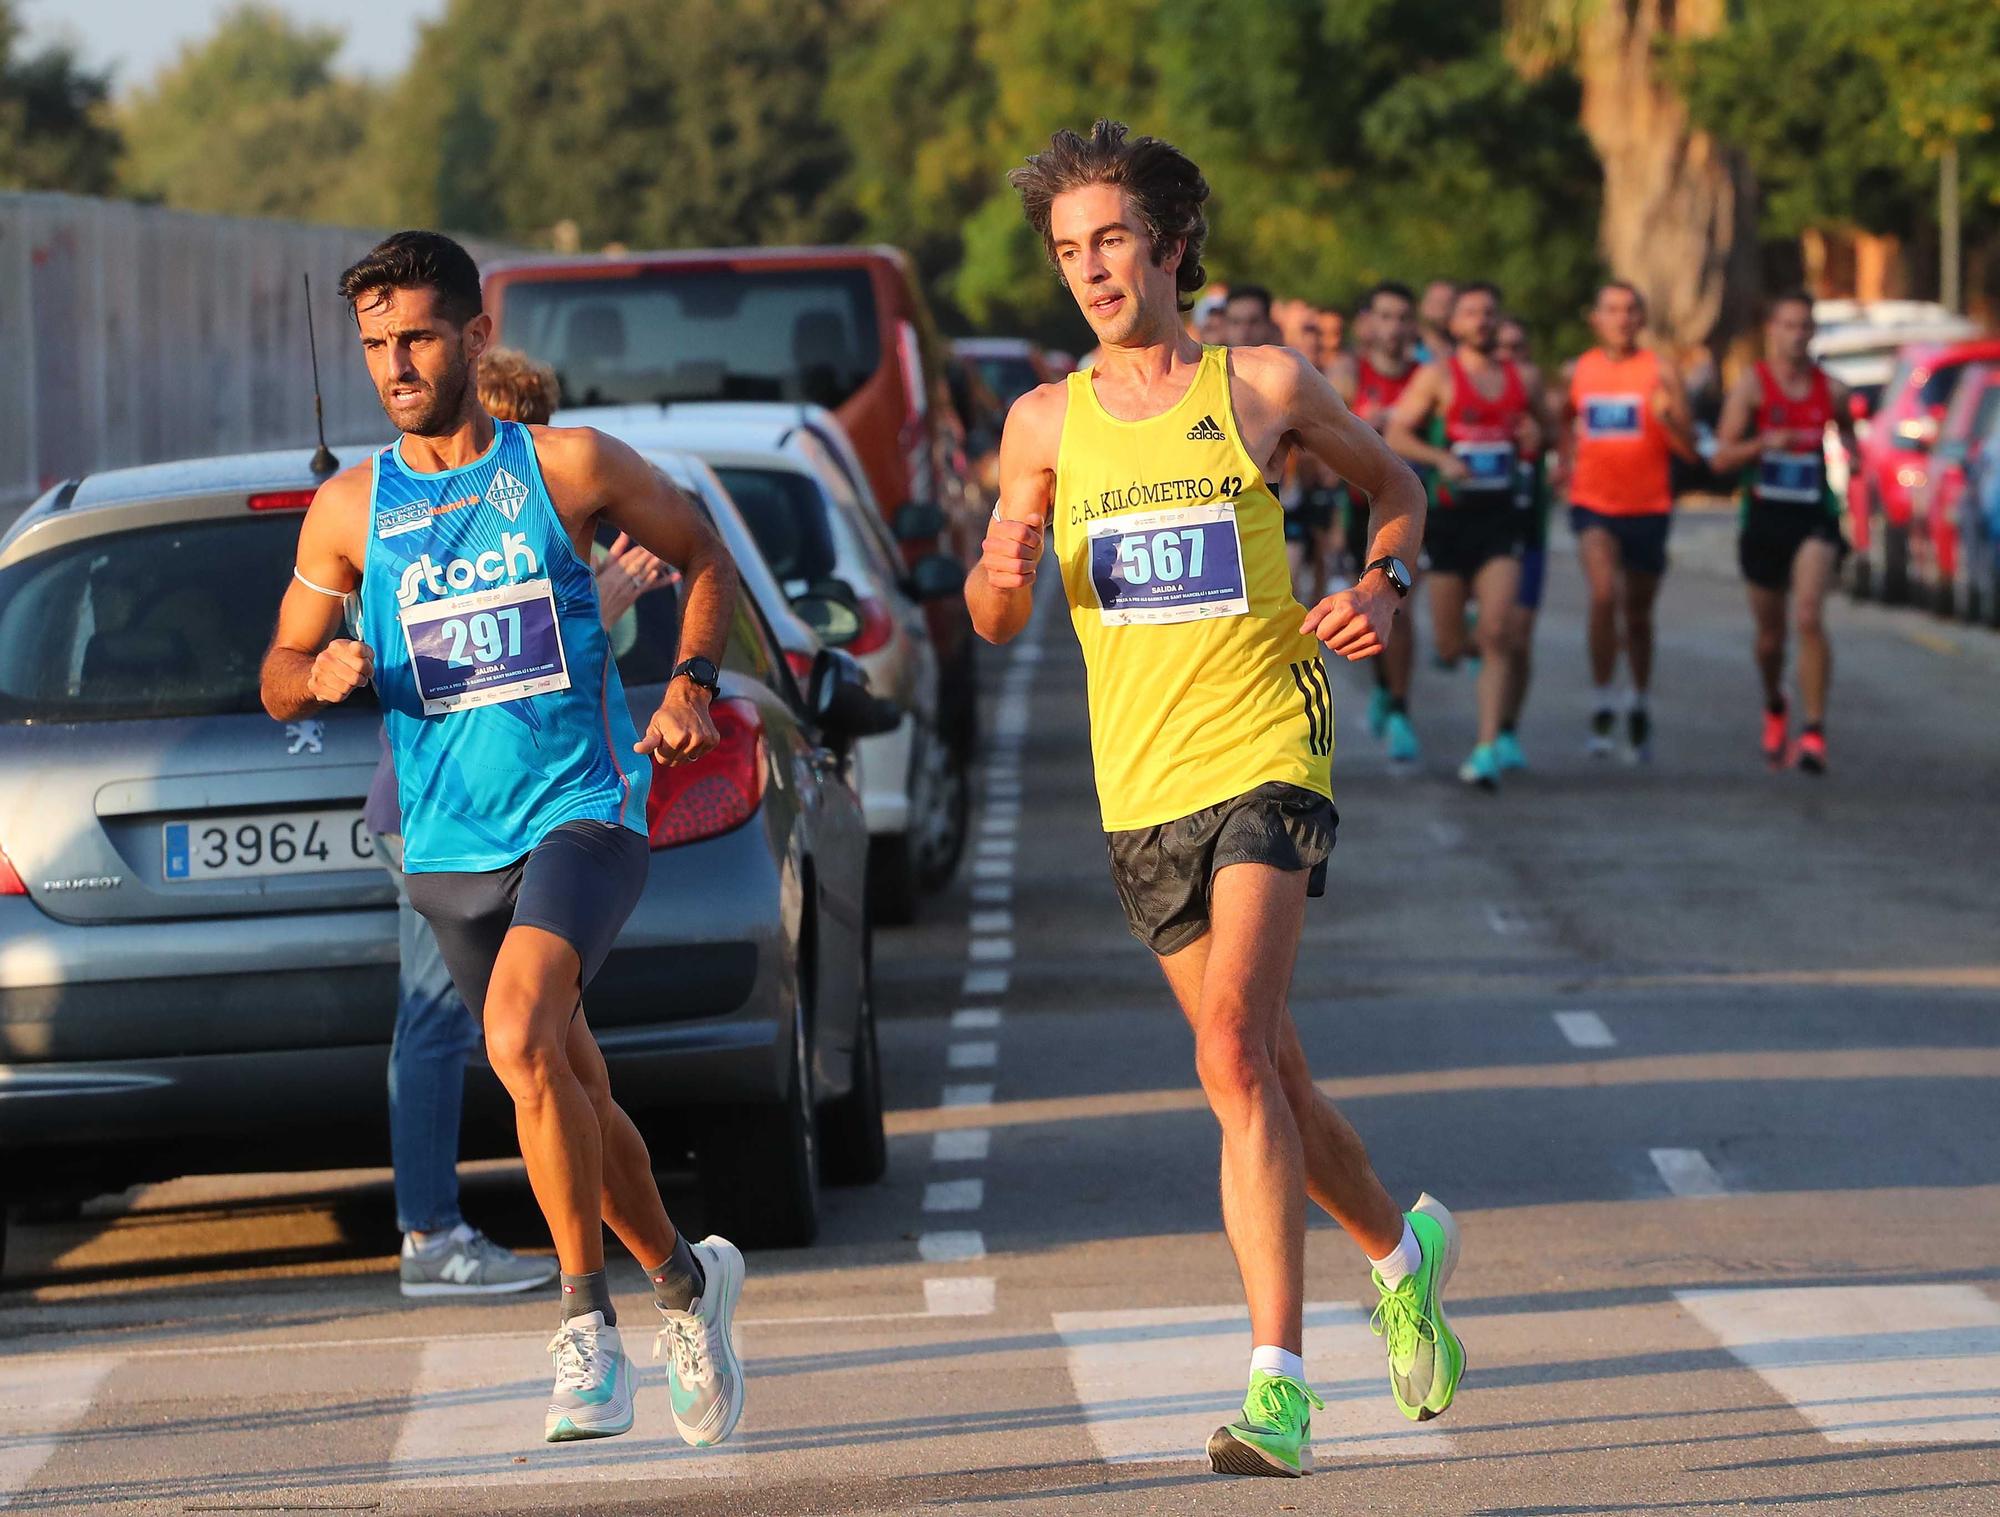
(584, 1294)
(678, 1282)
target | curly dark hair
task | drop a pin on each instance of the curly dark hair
(1166, 188)
(414, 261)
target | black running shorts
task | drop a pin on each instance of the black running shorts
(580, 883)
(1461, 540)
(1642, 540)
(1164, 873)
(1772, 534)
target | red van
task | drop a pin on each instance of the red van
(846, 328)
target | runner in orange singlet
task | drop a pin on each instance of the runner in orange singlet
(1626, 412)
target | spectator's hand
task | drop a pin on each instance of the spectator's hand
(626, 574)
(342, 667)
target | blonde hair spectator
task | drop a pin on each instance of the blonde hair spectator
(515, 387)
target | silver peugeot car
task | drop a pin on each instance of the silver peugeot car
(198, 950)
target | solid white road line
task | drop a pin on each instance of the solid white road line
(40, 1404)
(961, 1145)
(954, 1195)
(975, 1018)
(984, 982)
(966, 1095)
(951, 1247)
(1687, 1172)
(979, 1055)
(1585, 1029)
(990, 950)
(960, 1296)
(1153, 1383)
(1870, 1363)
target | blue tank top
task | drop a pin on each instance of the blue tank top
(502, 704)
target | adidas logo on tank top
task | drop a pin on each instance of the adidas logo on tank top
(1206, 430)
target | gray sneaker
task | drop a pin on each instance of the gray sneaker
(465, 1262)
(704, 1377)
(593, 1394)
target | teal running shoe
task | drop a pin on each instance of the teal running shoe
(1481, 768)
(1403, 745)
(1507, 752)
(704, 1376)
(593, 1395)
(1274, 1434)
(1426, 1359)
(1378, 711)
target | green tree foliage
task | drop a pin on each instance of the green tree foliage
(1842, 107)
(53, 129)
(252, 122)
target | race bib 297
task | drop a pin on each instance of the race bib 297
(487, 647)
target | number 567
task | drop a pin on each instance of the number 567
(1141, 560)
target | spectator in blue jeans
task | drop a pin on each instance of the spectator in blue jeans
(435, 1033)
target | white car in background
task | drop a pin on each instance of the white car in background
(824, 541)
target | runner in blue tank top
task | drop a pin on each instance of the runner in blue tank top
(522, 780)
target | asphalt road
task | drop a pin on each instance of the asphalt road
(1703, 1057)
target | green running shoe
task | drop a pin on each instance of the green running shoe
(1426, 1359)
(1274, 1434)
(1378, 711)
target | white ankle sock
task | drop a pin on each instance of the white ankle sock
(1278, 1361)
(1402, 1261)
(1607, 697)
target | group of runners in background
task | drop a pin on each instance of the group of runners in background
(1448, 378)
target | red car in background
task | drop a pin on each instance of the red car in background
(1894, 461)
(1938, 503)
(846, 328)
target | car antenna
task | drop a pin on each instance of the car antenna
(323, 461)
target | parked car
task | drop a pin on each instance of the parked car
(1936, 504)
(822, 541)
(1979, 518)
(1011, 366)
(1895, 458)
(845, 328)
(198, 949)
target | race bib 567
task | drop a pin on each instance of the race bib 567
(1178, 565)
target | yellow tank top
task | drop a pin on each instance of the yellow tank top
(1172, 551)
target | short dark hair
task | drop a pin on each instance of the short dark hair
(1254, 292)
(1628, 287)
(1164, 183)
(1386, 287)
(1478, 287)
(1789, 297)
(418, 261)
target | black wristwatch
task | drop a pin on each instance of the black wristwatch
(1394, 570)
(701, 671)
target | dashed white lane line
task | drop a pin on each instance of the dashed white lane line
(40, 1403)
(1870, 1363)
(975, 1018)
(1585, 1029)
(1001, 827)
(967, 1095)
(954, 1195)
(980, 1055)
(960, 1296)
(993, 892)
(990, 950)
(1153, 1383)
(985, 982)
(1687, 1172)
(961, 1145)
(999, 848)
(951, 1246)
(992, 921)
(993, 869)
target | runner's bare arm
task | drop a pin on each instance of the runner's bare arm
(591, 475)
(307, 668)
(1354, 623)
(1736, 441)
(1565, 417)
(1000, 590)
(1426, 392)
(1533, 447)
(1843, 415)
(1675, 414)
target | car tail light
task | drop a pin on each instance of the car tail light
(10, 878)
(718, 791)
(801, 666)
(878, 625)
(281, 500)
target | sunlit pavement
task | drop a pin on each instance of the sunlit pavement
(1703, 1057)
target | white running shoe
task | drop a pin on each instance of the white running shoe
(704, 1376)
(594, 1382)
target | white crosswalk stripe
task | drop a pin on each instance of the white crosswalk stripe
(41, 1401)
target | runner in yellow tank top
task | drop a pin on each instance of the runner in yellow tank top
(1212, 723)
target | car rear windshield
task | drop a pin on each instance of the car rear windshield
(1009, 378)
(787, 515)
(700, 334)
